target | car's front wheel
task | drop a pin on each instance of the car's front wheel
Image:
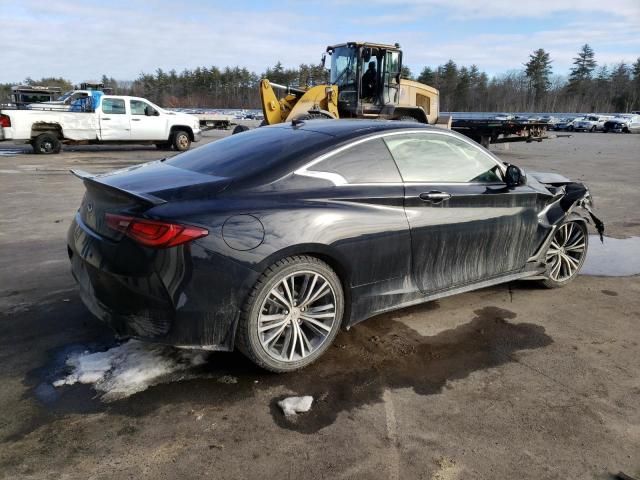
(566, 254)
(292, 315)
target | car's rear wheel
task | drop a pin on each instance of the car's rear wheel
(566, 254)
(292, 315)
(593, 129)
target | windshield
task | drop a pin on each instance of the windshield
(343, 66)
(65, 96)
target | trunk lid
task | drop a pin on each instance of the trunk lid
(134, 190)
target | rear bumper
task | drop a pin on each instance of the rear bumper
(182, 296)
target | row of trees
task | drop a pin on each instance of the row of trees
(588, 88)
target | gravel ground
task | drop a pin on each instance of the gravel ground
(512, 381)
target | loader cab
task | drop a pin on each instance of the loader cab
(367, 76)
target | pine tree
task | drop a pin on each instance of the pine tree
(427, 76)
(585, 64)
(538, 71)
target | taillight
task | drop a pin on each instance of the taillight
(5, 121)
(154, 233)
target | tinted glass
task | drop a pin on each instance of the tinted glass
(368, 162)
(113, 106)
(441, 158)
(244, 154)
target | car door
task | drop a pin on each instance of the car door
(146, 122)
(466, 226)
(114, 120)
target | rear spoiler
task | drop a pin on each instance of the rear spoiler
(93, 180)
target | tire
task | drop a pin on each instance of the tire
(593, 129)
(181, 140)
(577, 234)
(605, 130)
(46, 144)
(313, 116)
(240, 129)
(407, 118)
(570, 128)
(287, 319)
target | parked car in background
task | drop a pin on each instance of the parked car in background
(272, 240)
(591, 123)
(567, 123)
(623, 124)
(549, 120)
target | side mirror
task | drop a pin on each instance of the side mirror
(366, 54)
(148, 111)
(514, 176)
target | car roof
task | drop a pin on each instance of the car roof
(349, 129)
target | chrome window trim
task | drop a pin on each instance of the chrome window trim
(339, 180)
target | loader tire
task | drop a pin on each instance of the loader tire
(46, 143)
(313, 116)
(239, 129)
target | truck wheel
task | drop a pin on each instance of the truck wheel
(292, 315)
(181, 141)
(46, 143)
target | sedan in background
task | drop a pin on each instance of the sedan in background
(271, 240)
(567, 123)
(623, 124)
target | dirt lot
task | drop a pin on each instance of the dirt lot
(508, 382)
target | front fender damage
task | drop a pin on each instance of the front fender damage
(570, 201)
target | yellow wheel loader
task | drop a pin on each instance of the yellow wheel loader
(365, 82)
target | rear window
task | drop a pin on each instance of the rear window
(243, 154)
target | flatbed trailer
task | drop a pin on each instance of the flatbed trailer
(486, 131)
(210, 121)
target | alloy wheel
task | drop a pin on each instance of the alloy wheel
(297, 316)
(566, 252)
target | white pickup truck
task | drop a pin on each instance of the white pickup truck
(99, 119)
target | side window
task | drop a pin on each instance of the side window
(367, 162)
(441, 158)
(138, 107)
(113, 106)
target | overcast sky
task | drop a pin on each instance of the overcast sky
(80, 40)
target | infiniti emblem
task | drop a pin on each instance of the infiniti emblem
(89, 207)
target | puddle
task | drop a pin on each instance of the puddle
(374, 356)
(614, 258)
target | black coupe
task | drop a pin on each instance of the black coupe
(273, 239)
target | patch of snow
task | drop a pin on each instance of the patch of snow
(293, 405)
(129, 368)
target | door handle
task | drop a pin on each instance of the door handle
(434, 196)
(135, 119)
(105, 118)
